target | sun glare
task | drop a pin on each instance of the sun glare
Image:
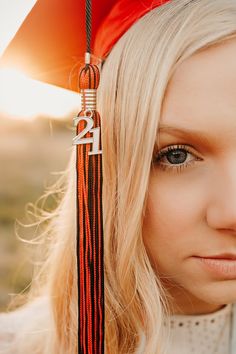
(24, 98)
(12, 14)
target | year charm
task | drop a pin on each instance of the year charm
(94, 140)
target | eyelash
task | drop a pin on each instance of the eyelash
(179, 168)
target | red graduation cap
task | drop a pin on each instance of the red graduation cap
(52, 39)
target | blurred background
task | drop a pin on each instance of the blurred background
(36, 134)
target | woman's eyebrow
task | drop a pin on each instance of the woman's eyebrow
(195, 135)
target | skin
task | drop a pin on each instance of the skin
(193, 212)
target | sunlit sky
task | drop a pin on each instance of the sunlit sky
(25, 98)
(22, 97)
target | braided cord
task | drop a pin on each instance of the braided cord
(88, 24)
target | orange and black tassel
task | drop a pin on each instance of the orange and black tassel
(90, 267)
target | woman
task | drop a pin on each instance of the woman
(167, 100)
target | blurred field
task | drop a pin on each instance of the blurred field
(29, 152)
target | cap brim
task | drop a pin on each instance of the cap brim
(51, 42)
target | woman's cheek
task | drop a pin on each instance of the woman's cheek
(175, 210)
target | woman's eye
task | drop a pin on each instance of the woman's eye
(175, 157)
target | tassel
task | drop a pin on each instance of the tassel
(89, 215)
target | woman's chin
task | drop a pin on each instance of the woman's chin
(216, 293)
(202, 297)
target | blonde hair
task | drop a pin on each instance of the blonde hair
(134, 78)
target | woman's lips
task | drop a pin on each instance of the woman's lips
(223, 265)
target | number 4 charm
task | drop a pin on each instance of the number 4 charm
(94, 140)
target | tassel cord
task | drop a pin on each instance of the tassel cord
(88, 24)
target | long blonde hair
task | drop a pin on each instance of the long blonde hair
(134, 78)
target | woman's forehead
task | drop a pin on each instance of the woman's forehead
(201, 94)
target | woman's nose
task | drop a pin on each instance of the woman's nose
(221, 209)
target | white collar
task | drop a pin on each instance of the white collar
(208, 333)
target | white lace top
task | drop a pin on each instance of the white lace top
(201, 334)
(19, 328)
